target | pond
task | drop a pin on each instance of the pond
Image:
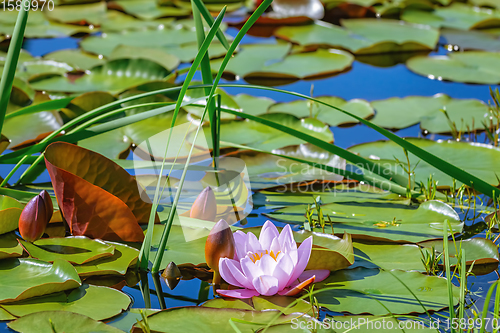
(90, 120)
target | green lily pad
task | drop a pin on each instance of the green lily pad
(9, 246)
(124, 256)
(33, 125)
(273, 61)
(159, 56)
(96, 302)
(332, 117)
(113, 76)
(397, 113)
(211, 320)
(470, 66)
(257, 135)
(92, 13)
(149, 10)
(478, 159)
(186, 52)
(406, 257)
(380, 221)
(59, 321)
(112, 144)
(38, 26)
(106, 43)
(253, 105)
(261, 303)
(10, 211)
(329, 194)
(4, 315)
(127, 319)
(364, 36)
(269, 171)
(379, 292)
(227, 101)
(471, 40)
(480, 251)
(457, 16)
(75, 58)
(74, 249)
(17, 282)
(116, 21)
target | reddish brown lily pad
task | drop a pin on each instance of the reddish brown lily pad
(97, 197)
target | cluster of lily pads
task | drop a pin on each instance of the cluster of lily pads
(375, 243)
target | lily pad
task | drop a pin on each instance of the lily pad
(253, 105)
(9, 246)
(124, 256)
(159, 56)
(457, 16)
(379, 292)
(211, 320)
(364, 36)
(470, 66)
(59, 321)
(33, 125)
(113, 76)
(117, 21)
(397, 113)
(148, 9)
(38, 26)
(471, 40)
(380, 221)
(257, 135)
(75, 249)
(478, 159)
(17, 282)
(261, 303)
(82, 14)
(332, 117)
(272, 61)
(96, 302)
(10, 211)
(101, 199)
(75, 58)
(269, 171)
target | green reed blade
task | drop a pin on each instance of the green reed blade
(210, 20)
(448, 271)
(12, 59)
(54, 104)
(146, 245)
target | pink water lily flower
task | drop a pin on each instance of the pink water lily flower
(269, 265)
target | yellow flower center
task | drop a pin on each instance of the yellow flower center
(257, 256)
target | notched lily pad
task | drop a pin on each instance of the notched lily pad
(59, 321)
(74, 249)
(17, 282)
(10, 211)
(124, 257)
(9, 246)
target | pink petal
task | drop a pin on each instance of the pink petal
(250, 269)
(304, 252)
(253, 244)
(243, 280)
(275, 246)
(284, 270)
(319, 274)
(240, 242)
(266, 285)
(268, 234)
(286, 239)
(238, 293)
(294, 290)
(227, 274)
(267, 264)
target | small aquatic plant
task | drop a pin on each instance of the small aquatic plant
(269, 265)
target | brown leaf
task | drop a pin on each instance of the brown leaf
(97, 198)
(102, 172)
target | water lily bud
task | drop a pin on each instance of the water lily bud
(220, 244)
(35, 217)
(172, 275)
(205, 206)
